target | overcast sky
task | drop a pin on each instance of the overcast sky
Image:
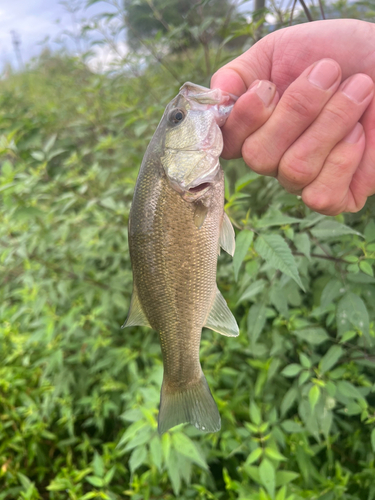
(33, 21)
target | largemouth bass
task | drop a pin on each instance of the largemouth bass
(177, 225)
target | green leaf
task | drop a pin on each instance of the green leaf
(87, 496)
(276, 218)
(288, 400)
(332, 229)
(276, 252)
(243, 242)
(292, 427)
(303, 244)
(274, 454)
(351, 259)
(333, 289)
(49, 143)
(312, 335)
(166, 445)
(38, 155)
(279, 300)
(252, 290)
(348, 390)
(174, 472)
(353, 268)
(137, 458)
(281, 494)
(366, 267)
(98, 465)
(291, 370)
(255, 414)
(254, 456)
(325, 422)
(348, 336)
(186, 447)
(156, 452)
(25, 213)
(352, 314)
(256, 320)
(267, 476)
(95, 481)
(109, 475)
(24, 480)
(305, 375)
(263, 495)
(369, 231)
(330, 358)
(305, 361)
(373, 440)
(314, 395)
(285, 477)
(139, 439)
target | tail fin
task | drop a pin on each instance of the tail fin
(194, 404)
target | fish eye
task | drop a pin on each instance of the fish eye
(176, 116)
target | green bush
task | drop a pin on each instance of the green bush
(79, 396)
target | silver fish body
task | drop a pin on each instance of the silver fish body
(177, 224)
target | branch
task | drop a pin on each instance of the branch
(306, 9)
(320, 256)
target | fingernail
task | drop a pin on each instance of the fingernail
(324, 74)
(265, 90)
(354, 134)
(358, 87)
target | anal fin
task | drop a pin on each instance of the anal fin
(220, 319)
(136, 316)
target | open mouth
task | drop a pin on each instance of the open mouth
(200, 187)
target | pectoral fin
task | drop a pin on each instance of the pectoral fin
(220, 319)
(200, 214)
(227, 241)
(136, 316)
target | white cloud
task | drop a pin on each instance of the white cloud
(105, 57)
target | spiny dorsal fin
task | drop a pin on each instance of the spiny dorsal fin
(220, 319)
(227, 241)
(136, 316)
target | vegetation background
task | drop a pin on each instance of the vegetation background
(78, 395)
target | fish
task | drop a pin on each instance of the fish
(177, 225)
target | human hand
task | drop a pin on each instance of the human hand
(313, 127)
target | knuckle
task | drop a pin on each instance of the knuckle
(296, 169)
(259, 161)
(300, 104)
(336, 114)
(321, 201)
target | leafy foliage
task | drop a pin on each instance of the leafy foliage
(79, 396)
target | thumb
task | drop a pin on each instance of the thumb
(238, 75)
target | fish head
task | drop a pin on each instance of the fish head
(193, 140)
